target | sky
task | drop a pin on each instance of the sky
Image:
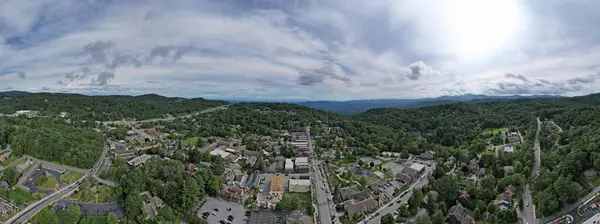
(301, 49)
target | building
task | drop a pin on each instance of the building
(394, 168)
(277, 186)
(191, 168)
(509, 169)
(301, 165)
(299, 185)
(5, 155)
(418, 167)
(352, 192)
(460, 215)
(289, 165)
(365, 206)
(509, 148)
(405, 178)
(139, 160)
(233, 194)
(220, 152)
(504, 201)
(427, 156)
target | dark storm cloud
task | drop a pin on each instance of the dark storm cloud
(319, 75)
(103, 78)
(516, 76)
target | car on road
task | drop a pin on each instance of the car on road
(527, 204)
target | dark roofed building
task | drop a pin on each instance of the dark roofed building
(410, 171)
(352, 207)
(405, 178)
(460, 215)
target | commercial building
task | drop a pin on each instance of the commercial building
(139, 160)
(301, 165)
(277, 186)
(289, 165)
(299, 185)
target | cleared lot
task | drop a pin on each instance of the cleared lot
(211, 204)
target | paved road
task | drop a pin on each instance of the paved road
(392, 206)
(325, 206)
(166, 119)
(529, 211)
(34, 208)
(97, 167)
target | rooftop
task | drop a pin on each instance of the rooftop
(417, 167)
(300, 182)
(277, 183)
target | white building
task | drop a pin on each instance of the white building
(289, 165)
(139, 160)
(300, 161)
(220, 152)
(418, 167)
(299, 185)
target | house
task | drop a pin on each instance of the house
(509, 169)
(504, 201)
(460, 215)
(509, 148)
(465, 195)
(365, 206)
(376, 184)
(352, 192)
(5, 185)
(191, 168)
(299, 185)
(5, 155)
(418, 167)
(379, 174)
(590, 174)
(154, 131)
(465, 182)
(511, 189)
(151, 207)
(482, 171)
(277, 185)
(473, 166)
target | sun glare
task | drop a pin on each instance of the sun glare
(476, 29)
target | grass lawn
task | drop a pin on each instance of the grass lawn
(19, 196)
(304, 198)
(191, 141)
(596, 182)
(50, 183)
(11, 159)
(71, 177)
(495, 131)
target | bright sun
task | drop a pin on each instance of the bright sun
(476, 29)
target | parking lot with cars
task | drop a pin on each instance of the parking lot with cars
(224, 212)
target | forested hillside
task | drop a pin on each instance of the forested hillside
(564, 155)
(102, 108)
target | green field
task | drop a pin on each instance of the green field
(71, 177)
(49, 182)
(20, 196)
(191, 141)
(495, 131)
(304, 199)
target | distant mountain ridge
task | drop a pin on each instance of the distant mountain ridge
(359, 106)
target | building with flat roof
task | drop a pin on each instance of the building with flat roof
(220, 152)
(418, 167)
(289, 165)
(299, 185)
(139, 160)
(277, 186)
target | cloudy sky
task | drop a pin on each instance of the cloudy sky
(301, 49)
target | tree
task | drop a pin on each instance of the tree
(71, 215)
(10, 175)
(387, 219)
(111, 218)
(133, 206)
(45, 216)
(438, 218)
(518, 167)
(492, 208)
(372, 164)
(477, 214)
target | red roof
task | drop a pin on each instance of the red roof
(464, 182)
(5, 155)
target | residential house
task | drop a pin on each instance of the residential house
(379, 174)
(191, 168)
(509, 148)
(352, 192)
(590, 174)
(5, 155)
(5, 185)
(376, 184)
(504, 201)
(365, 206)
(482, 171)
(405, 178)
(154, 131)
(151, 207)
(460, 215)
(473, 166)
(509, 169)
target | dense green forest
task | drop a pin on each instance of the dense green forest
(102, 108)
(53, 140)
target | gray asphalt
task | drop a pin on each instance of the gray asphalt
(325, 207)
(529, 211)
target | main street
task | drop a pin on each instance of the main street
(528, 213)
(325, 207)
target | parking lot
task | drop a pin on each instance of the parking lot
(265, 217)
(237, 211)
